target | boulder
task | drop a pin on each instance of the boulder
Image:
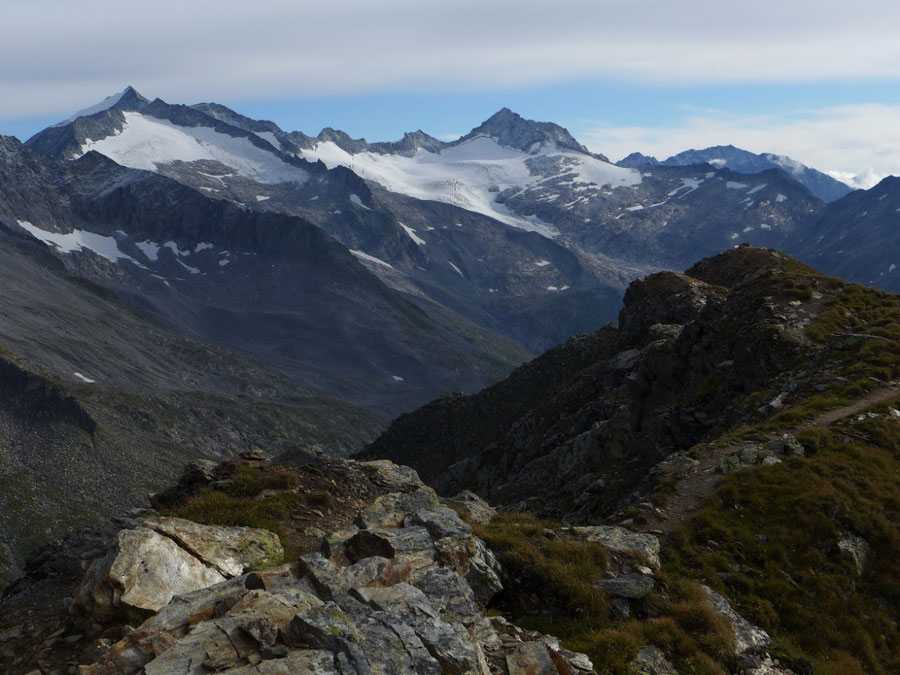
(530, 658)
(747, 637)
(651, 661)
(857, 548)
(163, 557)
(619, 539)
(473, 507)
(631, 586)
(440, 521)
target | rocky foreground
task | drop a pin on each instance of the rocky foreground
(398, 585)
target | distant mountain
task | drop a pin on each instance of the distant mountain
(508, 226)
(425, 238)
(857, 237)
(822, 185)
(514, 131)
(269, 285)
(636, 160)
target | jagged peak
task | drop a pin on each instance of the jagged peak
(514, 131)
(127, 99)
(636, 160)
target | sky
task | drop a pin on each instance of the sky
(818, 82)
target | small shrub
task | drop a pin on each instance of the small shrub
(319, 498)
(283, 479)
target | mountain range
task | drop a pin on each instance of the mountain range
(193, 281)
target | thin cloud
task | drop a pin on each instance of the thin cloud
(858, 144)
(60, 55)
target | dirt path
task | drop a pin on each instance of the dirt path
(700, 481)
(871, 399)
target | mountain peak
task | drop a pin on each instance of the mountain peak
(514, 131)
(127, 99)
(636, 160)
(825, 187)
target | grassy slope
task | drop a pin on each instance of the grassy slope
(767, 539)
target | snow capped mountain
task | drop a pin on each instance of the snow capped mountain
(147, 142)
(155, 136)
(503, 226)
(105, 104)
(822, 185)
(472, 172)
(513, 131)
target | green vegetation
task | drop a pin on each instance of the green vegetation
(768, 540)
(548, 569)
(243, 503)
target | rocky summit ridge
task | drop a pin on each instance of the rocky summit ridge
(399, 584)
(724, 414)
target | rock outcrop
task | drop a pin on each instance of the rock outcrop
(575, 434)
(397, 586)
(163, 557)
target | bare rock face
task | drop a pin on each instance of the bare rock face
(750, 642)
(164, 557)
(662, 299)
(619, 539)
(399, 587)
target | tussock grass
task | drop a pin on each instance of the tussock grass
(768, 540)
(243, 504)
(560, 572)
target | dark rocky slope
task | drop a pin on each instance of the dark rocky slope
(575, 433)
(606, 407)
(745, 412)
(857, 237)
(98, 406)
(267, 285)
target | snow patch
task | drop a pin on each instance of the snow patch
(692, 183)
(371, 258)
(356, 200)
(734, 185)
(457, 270)
(262, 198)
(412, 234)
(78, 240)
(765, 226)
(635, 208)
(757, 189)
(396, 378)
(149, 249)
(780, 198)
(269, 138)
(542, 263)
(192, 270)
(172, 246)
(202, 246)
(223, 262)
(84, 379)
(105, 104)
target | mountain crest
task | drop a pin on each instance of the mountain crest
(514, 131)
(820, 184)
